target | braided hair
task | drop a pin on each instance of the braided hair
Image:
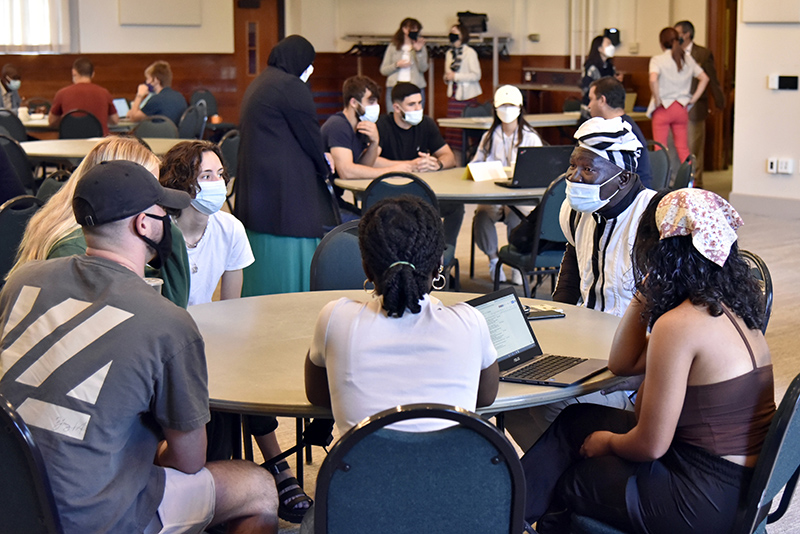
(401, 241)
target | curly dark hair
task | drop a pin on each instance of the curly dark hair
(401, 229)
(668, 271)
(181, 165)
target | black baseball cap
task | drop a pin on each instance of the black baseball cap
(114, 190)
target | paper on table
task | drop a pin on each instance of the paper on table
(485, 170)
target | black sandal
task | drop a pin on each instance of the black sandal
(290, 495)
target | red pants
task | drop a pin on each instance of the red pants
(677, 118)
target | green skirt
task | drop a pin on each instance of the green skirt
(283, 264)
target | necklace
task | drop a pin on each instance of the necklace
(194, 245)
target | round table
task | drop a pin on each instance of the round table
(72, 151)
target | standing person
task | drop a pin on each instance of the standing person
(599, 63)
(119, 416)
(10, 82)
(508, 132)
(405, 59)
(701, 110)
(85, 95)
(671, 75)
(156, 96)
(462, 74)
(683, 462)
(282, 194)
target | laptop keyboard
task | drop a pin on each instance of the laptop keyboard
(546, 367)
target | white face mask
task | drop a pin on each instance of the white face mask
(609, 50)
(586, 197)
(211, 197)
(14, 85)
(413, 117)
(371, 113)
(307, 73)
(508, 114)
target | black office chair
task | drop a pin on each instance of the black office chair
(79, 124)
(20, 161)
(157, 126)
(12, 125)
(27, 504)
(14, 216)
(761, 273)
(685, 175)
(229, 146)
(470, 138)
(337, 260)
(190, 123)
(659, 164)
(463, 478)
(381, 188)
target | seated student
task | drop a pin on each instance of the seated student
(53, 231)
(218, 250)
(10, 82)
(407, 135)
(683, 462)
(85, 95)
(156, 96)
(404, 346)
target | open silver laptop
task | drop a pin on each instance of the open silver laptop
(518, 352)
(122, 106)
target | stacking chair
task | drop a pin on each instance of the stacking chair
(337, 260)
(229, 145)
(659, 164)
(685, 176)
(777, 469)
(27, 504)
(14, 216)
(157, 126)
(546, 227)
(52, 184)
(761, 272)
(20, 161)
(471, 138)
(12, 125)
(190, 124)
(207, 96)
(381, 188)
(464, 478)
(202, 110)
(79, 124)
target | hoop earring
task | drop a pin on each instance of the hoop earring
(440, 278)
(369, 291)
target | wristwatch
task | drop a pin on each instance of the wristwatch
(440, 164)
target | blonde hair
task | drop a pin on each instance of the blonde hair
(55, 220)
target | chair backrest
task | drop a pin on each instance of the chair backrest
(464, 478)
(156, 126)
(190, 123)
(202, 110)
(659, 164)
(474, 136)
(14, 216)
(12, 124)
(79, 124)
(337, 260)
(548, 210)
(761, 273)
(208, 97)
(685, 175)
(229, 146)
(20, 161)
(777, 467)
(52, 184)
(381, 188)
(27, 504)
(571, 104)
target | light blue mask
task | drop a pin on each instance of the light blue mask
(211, 197)
(13, 85)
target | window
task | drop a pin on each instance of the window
(34, 26)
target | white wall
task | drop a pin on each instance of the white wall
(100, 31)
(766, 121)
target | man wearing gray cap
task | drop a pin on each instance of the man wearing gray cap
(109, 376)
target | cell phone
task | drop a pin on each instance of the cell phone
(543, 311)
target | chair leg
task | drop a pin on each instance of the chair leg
(457, 281)
(526, 286)
(472, 253)
(247, 440)
(497, 274)
(309, 458)
(299, 455)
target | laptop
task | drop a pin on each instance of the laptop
(518, 353)
(122, 106)
(537, 166)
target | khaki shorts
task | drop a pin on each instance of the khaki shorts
(187, 505)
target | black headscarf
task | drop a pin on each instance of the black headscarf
(292, 55)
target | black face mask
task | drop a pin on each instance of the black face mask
(454, 37)
(413, 35)
(164, 247)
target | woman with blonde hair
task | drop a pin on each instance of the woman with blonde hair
(53, 231)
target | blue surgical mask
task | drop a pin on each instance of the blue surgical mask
(586, 197)
(371, 113)
(413, 117)
(13, 85)
(211, 197)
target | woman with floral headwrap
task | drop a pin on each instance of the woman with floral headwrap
(682, 462)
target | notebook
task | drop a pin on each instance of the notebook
(630, 101)
(122, 106)
(519, 355)
(537, 166)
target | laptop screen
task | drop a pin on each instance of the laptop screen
(537, 166)
(509, 329)
(122, 106)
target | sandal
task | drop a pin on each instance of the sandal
(290, 496)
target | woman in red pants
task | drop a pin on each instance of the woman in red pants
(671, 75)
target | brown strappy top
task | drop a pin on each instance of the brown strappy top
(730, 417)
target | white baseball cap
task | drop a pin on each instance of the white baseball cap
(507, 94)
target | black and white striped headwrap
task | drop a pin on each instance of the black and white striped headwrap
(612, 139)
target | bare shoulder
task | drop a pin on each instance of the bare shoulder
(685, 318)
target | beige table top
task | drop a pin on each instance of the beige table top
(450, 185)
(537, 120)
(43, 125)
(74, 150)
(256, 349)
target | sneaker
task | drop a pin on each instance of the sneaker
(492, 267)
(516, 277)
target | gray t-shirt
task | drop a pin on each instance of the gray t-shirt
(97, 363)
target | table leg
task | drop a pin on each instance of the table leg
(299, 453)
(236, 437)
(247, 439)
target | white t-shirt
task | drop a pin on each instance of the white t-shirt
(504, 147)
(674, 85)
(375, 362)
(223, 247)
(404, 73)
